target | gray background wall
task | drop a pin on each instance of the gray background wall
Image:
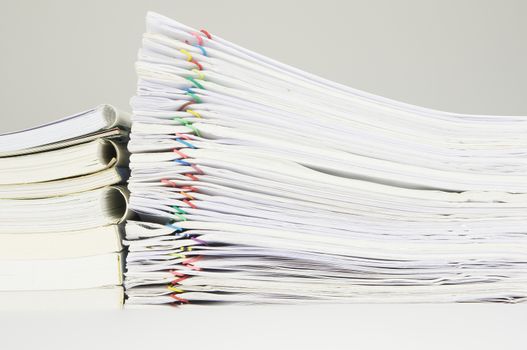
(59, 57)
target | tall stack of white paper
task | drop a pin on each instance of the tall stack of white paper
(61, 200)
(258, 182)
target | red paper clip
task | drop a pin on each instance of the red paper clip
(181, 300)
(200, 67)
(192, 260)
(187, 202)
(206, 33)
(189, 188)
(176, 273)
(192, 177)
(189, 263)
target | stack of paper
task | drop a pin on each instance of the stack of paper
(60, 206)
(258, 182)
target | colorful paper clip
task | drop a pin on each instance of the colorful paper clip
(178, 255)
(200, 67)
(188, 196)
(198, 170)
(203, 51)
(185, 105)
(187, 124)
(194, 113)
(175, 227)
(193, 81)
(183, 142)
(195, 97)
(190, 204)
(200, 74)
(179, 210)
(168, 183)
(198, 38)
(179, 279)
(182, 162)
(181, 300)
(180, 217)
(179, 153)
(191, 176)
(207, 34)
(186, 53)
(174, 289)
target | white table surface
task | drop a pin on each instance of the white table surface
(448, 326)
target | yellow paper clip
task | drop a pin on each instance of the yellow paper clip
(175, 290)
(194, 113)
(200, 74)
(185, 194)
(186, 53)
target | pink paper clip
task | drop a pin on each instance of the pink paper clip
(198, 38)
(168, 183)
(179, 153)
(195, 167)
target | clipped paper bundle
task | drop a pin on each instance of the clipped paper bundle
(257, 182)
(61, 202)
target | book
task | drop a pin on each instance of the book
(62, 202)
(99, 179)
(79, 211)
(83, 159)
(58, 274)
(61, 244)
(256, 182)
(101, 121)
(104, 298)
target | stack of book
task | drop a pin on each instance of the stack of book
(61, 202)
(258, 182)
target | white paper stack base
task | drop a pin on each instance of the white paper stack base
(259, 183)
